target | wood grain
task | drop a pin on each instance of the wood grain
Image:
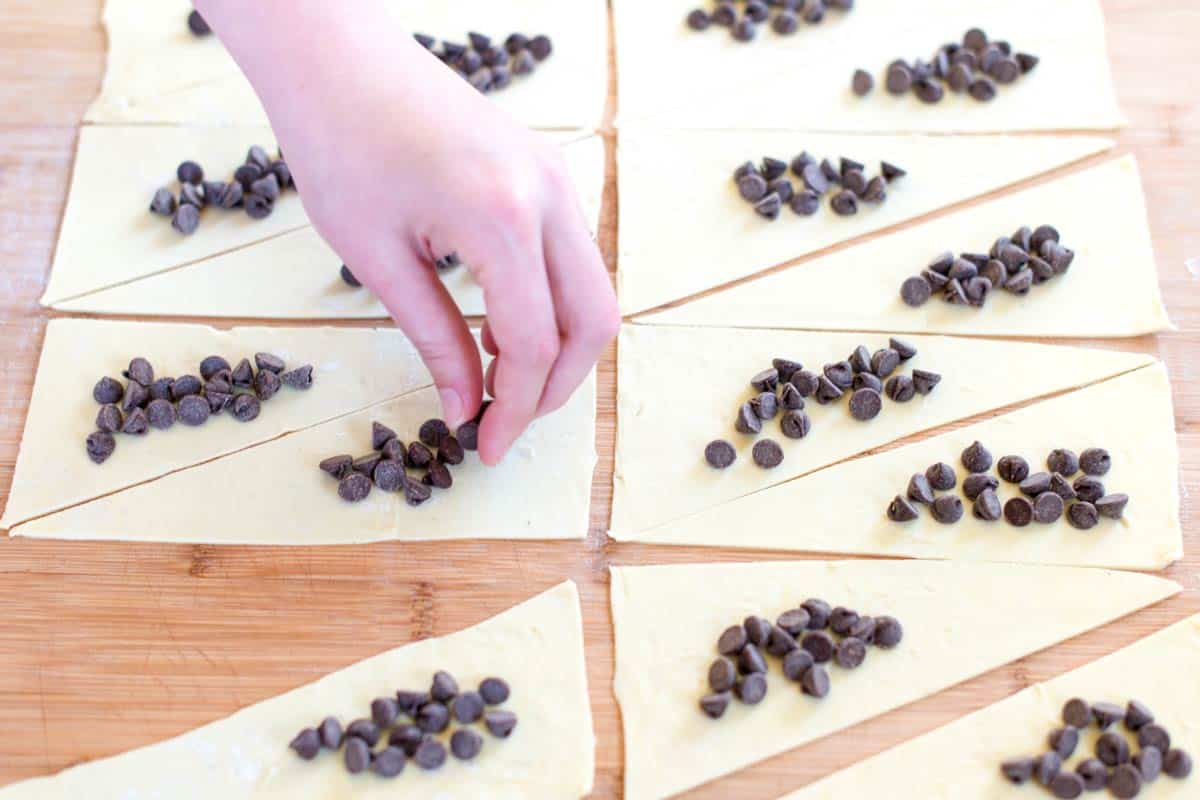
(109, 646)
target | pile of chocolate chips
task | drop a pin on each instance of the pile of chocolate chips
(767, 188)
(146, 402)
(412, 721)
(799, 637)
(1015, 264)
(197, 25)
(487, 66)
(784, 386)
(974, 67)
(1113, 766)
(443, 264)
(785, 20)
(256, 185)
(1045, 496)
(387, 465)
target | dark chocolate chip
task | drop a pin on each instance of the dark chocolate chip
(1094, 774)
(844, 203)
(1107, 714)
(855, 181)
(919, 489)
(698, 20)
(366, 464)
(901, 510)
(193, 410)
(783, 188)
(987, 506)
(722, 674)
(765, 406)
(354, 487)
(976, 458)
(840, 374)
(819, 645)
(410, 701)
(929, 91)
(790, 398)
(780, 642)
(900, 388)
(1066, 785)
(1112, 749)
(851, 652)
(947, 509)
(389, 476)
(1112, 505)
(468, 435)
(1064, 462)
(160, 414)
(432, 432)
(862, 83)
(720, 454)
(307, 744)
(430, 753)
(443, 687)
(1061, 487)
(1154, 735)
(865, 404)
(794, 621)
(714, 705)
(752, 688)
(136, 423)
(494, 691)
(1047, 508)
(888, 632)
(767, 454)
(866, 380)
(419, 455)
(1149, 763)
(246, 407)
(1018, 511)
(795, 425)
(815, 681)
(500, 723)
(924, 381)
(1012, 469)
(942, 477)
(1082, 515)
(769, 207)
(758, 630)
(899, 79)
(786, 22)
(468, 707)
(389, 762)
(818, 613)
(977, 483)
(1036, 484)
(1177, 763)
(348, 277)
(465, 744)
(363, 729)
(1046, 767)
(266, 384)
(1125, 782)
(298, 378)
(805, 382)
(1018, 770)
(100, 445)
(1095, 461)
(748, 420)
(796, 663)
(438, 476)
(433, 717)
(108, 418)
(732, 640)
(982, 89)
(1137, 715)
(1064, 740)
(330, 732)
(337, 466)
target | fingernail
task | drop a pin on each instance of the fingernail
(452, 407)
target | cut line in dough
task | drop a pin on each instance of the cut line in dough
(670, 76)
(1158, 670)
(682, 387)
(841, 509)
(508, 501)
(706, 235)
(157, 71)
(352, 368)
(1111, 290)
(667, 620)
(536, 646)
(114, 257)
(296, 275)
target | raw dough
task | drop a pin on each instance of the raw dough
(353, 368)
(1159, 671)
(667, 620)
(108, 236)
(302, 506)
(296, 275)
(669, 75)
(705, 235)
(536, 646)
(841, 509)
(1111, 290)
(681, 388)
(158, 72)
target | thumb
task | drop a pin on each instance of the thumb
(424, 310)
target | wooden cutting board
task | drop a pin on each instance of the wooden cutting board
(105, 647)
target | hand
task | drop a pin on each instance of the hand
(401, 162)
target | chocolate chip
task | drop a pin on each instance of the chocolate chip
(795, 425)
(500, 723)
(1064, 462)
(1066, 785)
(433, 717)
(337, 466)
(987, 506)
(818, 613)
(769, 206)
(330, 732)
(840, 374)
(947, 509)
(1012, 469)
(790, 398)
(899, 79)
(767, 454)
(928, 91)
(134, 396)
(1047, 508)
(959, 78)
(100, 445)
(796, 663)
(1093, 773)
(444, 687)
(844, 203)
(722, 675)
(919, 489)
(1137, 715)
(900, 510)
(136, 423)
(430, 754)
(815, 681)
(1125, 782)
(159, 413)
(1154, 735)
(354, 487)
(815, 179)
(786, 22)
(468, 707)
(819, 645)
(1064, 740)
(714, 705)
(306, 744)
(855, 181)
(298, 378)
(1177, 763)
(783, 188)
(924, 381)
(366, 464)
(1018, 511)
(389, 476)
(416, 493)
(419, 455)
(865, 404)
(757, 10)
(752, 688)
(450, 451)
(941, 477)
(862, 83)
(982, 90)
(1061, 487)
(732, 640)
(758, 630)
(876, 191)
(976, 484)
(410, 702)
(806, 382)
(258, 206)
(900, 388)
(493, 691)
(851, 652)
(866, 380)
(1112, 505)
(1036, 484)
(888, 632)
(1112, 749)
(1018, 770)
(698, 20)
(976, 458)
(995, 273)
(348, 277)
(780, 642)
(465, 744)
(1149, 763)
(266, 384)
(720, 454)
(1095, 461)
(438, 476)
(193, 410)
(794, 621)
(748, 420)
(246, 407)
(108, 418)
(363, 729)
(1046, 767)
(765, 406)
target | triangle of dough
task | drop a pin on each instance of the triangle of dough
(1158, 670)
(296, 275)
(667, 620)
(1145, 467)
(352, 368)
(672, 77)
(158, 72)
(685, 229)
(536, 646)
(1111, 290)
(682, 387)
(509, 501)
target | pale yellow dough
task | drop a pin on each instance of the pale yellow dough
(1111, 290)
(682, 387)
(667, 621)
(353, 368)
(842, 509)
(158, 72)
(684, 228)
(1159, 671)
(536, 646)
(669, 75)
(296, 275)
(115, 257)
(540, 491)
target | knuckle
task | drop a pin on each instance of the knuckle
(511, 208)
(539, 349)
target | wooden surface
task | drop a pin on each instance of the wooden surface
(105, 647)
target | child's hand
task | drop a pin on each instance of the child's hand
(401, 162)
